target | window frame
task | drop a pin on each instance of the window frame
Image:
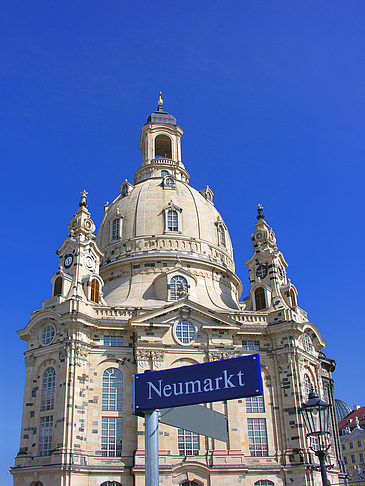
(255, 404)
(112, 390)
(111, 444)
(48, 389)
(189, 328)
(111, 341)
(45, 333)
(258, 443)
(182, 436)
(250, 345)
(95, 290)
(45, 437)
(174, 286)
(58, 286)
(261, 300)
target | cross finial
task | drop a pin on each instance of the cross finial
(260, 209)
(83, 199)
(160, 100)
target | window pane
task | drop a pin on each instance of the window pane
(114, 341)
(115, 229)
(255, 404)
(185, 332)
(187, 443)
(177, 284)
(45, 435)
(48, 389)
(257, 437)
(111, 436)
(172, 221)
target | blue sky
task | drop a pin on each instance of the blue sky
(271, 96)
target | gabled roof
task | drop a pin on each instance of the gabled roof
(219, 321)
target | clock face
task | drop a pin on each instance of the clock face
(258, 236)
(89, 262)
(68, 261)
(261, 271)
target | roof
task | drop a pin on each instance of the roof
(350, 421)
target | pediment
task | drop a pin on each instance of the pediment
(182, 308)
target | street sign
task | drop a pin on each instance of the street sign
(197, 418)
(188, 385)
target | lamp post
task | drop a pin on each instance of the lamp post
(315, 414)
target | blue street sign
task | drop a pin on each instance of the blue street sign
(207, 382)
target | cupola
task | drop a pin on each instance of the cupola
(161, 147)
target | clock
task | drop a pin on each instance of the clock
(258, 236)
(89, 262)
(261, 271)
(68, 261)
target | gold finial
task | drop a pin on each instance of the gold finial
(160, 100)
(260, 214)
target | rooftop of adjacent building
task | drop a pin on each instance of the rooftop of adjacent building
(357, 415)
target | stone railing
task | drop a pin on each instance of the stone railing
(109, 312)
(249, 318)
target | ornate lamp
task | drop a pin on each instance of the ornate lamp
(315, 414)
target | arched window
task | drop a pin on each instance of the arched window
(164, 173)
(307, 343)
(57, 289)
(112, 390)
(308, 387)
(264, 482)
(260, 300)
(293, 298)
(172, 220)
(111, 483)
(48, 389)
(95, 290)
(163, 146)
(177, 285)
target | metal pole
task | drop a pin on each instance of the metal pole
(151, 447)
(321, 456)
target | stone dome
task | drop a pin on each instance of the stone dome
(160, 228)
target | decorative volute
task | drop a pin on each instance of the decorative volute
(161, 147)
(81, 223)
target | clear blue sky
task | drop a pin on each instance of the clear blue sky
(271, 96)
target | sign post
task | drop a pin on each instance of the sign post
(226, 379)
(151, 447)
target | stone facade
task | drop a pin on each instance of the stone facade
(156, 288)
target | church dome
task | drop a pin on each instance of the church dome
(161, 224)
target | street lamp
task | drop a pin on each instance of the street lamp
(315, 414)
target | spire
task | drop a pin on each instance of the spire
(83, 199)
(260, 215)
(264, 237)
(81, 223)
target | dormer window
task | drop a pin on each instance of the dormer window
(95, 291)
(169, 182)
(221, 230)
(260, 300)
(222, 236)
(172, 220)
(178, 284)
(115, 229)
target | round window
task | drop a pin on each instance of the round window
(184, 332)
(48, 334)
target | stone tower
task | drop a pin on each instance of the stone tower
(157, 288)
